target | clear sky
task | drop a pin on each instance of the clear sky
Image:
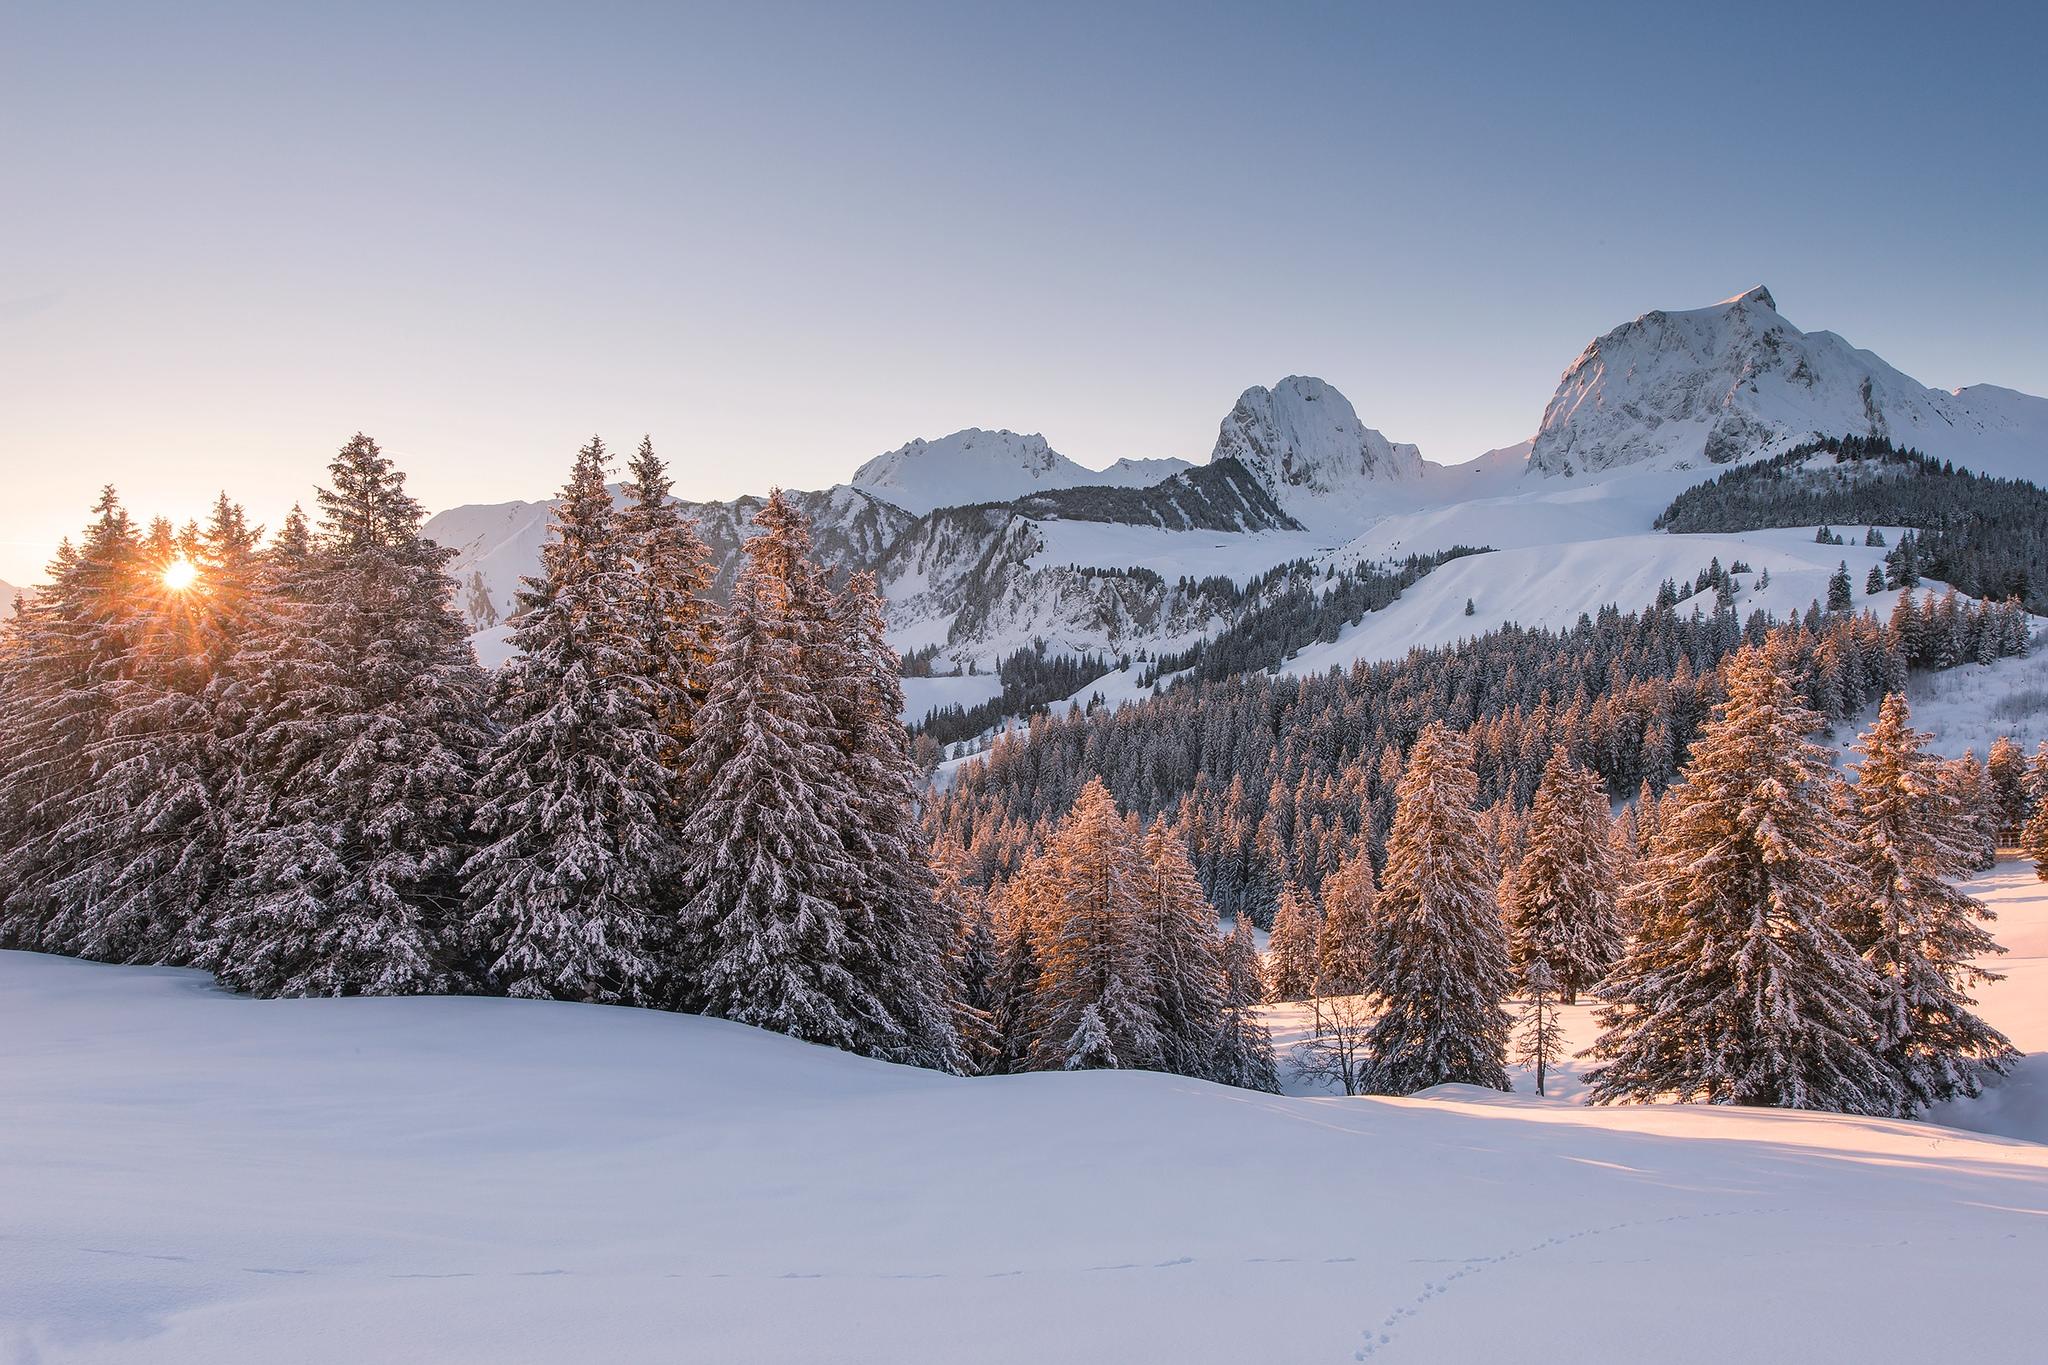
(785, 238)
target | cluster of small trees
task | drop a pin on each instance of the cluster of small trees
(282, 763)
(1100, 952)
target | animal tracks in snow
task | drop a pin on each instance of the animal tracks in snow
(1382, 1335)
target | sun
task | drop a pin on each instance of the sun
(180, 574)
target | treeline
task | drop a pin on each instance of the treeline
(1101, 952)
(1273, 777)
(1765, 933)
(1987, 537)
(280, 762)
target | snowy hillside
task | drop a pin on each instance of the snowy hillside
(1303, 440)
(195, 1177)
(1711, 385)
(990, 466)
(1552, 585)
(8, 592)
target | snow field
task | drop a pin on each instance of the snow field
(193, 1176)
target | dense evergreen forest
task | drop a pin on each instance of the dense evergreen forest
(1986, 537)
(1274, 777)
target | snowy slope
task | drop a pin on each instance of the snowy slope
(190, 1176)
(8, 592)
(1710, 385)
(1552, 585)
(976, 466)
(1303, 440)
(922, 696)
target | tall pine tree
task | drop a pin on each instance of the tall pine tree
(354, 774)
(1919, 934)
(1559, 899)
(1437, 964)
(1740, 988)
(563, 894)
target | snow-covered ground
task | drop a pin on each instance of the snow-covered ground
(1968, 707)
(1238, 556)
(922, 696)
(191, 1176)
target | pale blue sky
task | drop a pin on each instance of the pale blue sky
(785, 238)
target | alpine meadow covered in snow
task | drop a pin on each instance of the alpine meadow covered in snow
(1541, 850)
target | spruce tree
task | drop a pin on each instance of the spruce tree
(2007, 768)
(1245, 1057)
(563, 894)
(1841, 593)
(65, 662)
(1013, 989)
(1291, 957)
(151, 836)
(898, 938)
(669, 599)
(971, 958)
(1559, 900)
(1184, 956)
(1350, 898)
(1739, 988)
(1437, 963)
(761, 935)
(354, 772)
(1918, 933)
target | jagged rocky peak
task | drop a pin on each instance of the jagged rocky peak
(976, 466)
(1303, 441)
(1734, 381)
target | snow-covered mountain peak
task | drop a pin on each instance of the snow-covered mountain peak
(1733, 381)
(1303, 441)
(975, 466)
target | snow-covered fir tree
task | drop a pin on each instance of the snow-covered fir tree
(669, 598)
(1246, 1055)
(354, 771)
(1437, 964)
(564, 893)
(150, 842)
(1739, 987)
(1089, 1047)
(1918, 933)
(62, 668)
(1184, 955)
(2006, 766)
(761, 935)
(1350, 897)
(1291, 956)
(971, 958)
(1014, 988)
(898, 937)
(1559, 900)
(1966, 786)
